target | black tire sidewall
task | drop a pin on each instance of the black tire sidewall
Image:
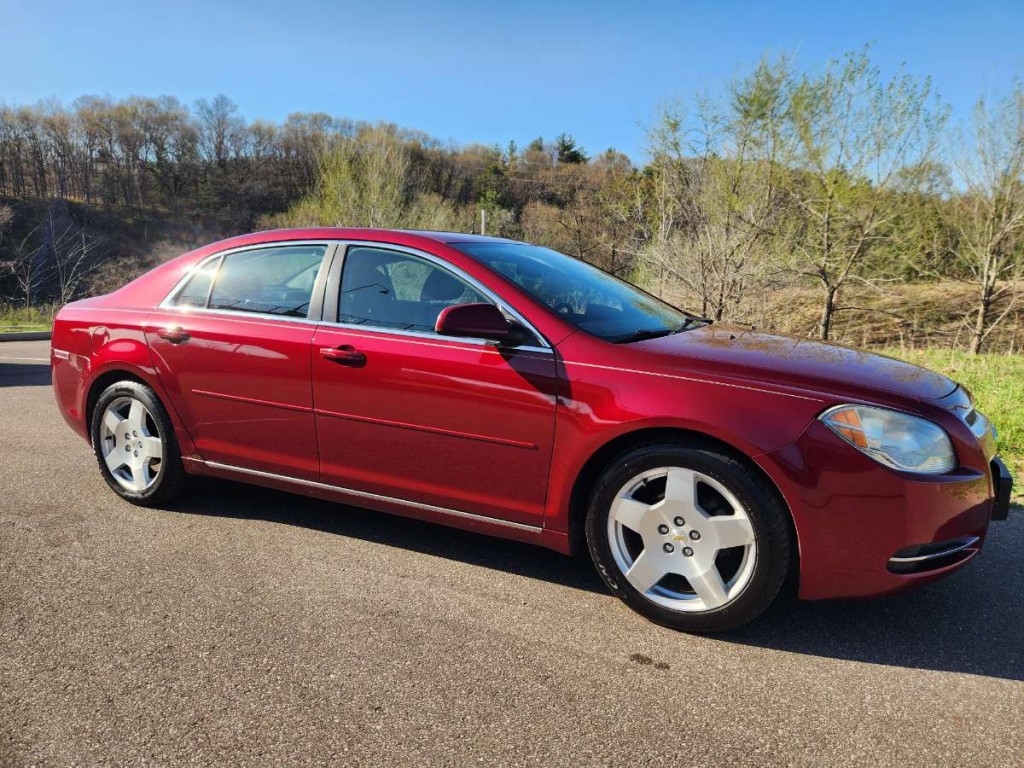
(767, 516)
(171, 475)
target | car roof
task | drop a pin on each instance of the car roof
(454, 237)
(342, 233)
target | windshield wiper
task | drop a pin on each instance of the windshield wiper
(655, 333)
(645, 333)
(693, 322)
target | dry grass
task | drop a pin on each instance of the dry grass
(907, 315)
(914, 315)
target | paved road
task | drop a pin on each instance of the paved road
(249, 627)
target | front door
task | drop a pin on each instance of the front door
(403, 412)
(233, 350)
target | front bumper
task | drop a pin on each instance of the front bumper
(1002, 482)
(853, 516)
(924, 558)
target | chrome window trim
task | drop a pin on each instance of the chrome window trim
(168, 302)
(339, 257)
(376, 497)
(436, 338)
(241, 316)
(502, 304)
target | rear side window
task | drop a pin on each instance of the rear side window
(275, 281)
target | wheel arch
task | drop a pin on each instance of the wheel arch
(619, 445)
(100, 383)
(123, 371)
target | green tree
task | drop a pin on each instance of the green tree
(853, 136)
(567, 152)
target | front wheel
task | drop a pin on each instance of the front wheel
(688, 536)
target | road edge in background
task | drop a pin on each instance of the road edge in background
(25, 336)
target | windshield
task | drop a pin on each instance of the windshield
(580, 293)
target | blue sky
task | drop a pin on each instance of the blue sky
(484, 71)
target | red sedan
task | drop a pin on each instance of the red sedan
(506, 388)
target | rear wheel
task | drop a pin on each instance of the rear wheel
(134, 443)
(688, 536)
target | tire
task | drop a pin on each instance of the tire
(135, 446)
(689, 510)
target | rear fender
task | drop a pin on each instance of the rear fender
(123, 349)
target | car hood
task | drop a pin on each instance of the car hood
(742, 352)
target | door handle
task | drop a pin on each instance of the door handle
(346, 354)
(174, 334)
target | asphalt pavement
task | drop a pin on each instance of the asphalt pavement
(242, 626)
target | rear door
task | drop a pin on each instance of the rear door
(232, 347)
(402, 412)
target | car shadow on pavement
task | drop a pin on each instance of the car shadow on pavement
(24, 375)
(228, 499)
(972, 622)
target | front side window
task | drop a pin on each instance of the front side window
(274, 281)
(389, 289)
(582, 294)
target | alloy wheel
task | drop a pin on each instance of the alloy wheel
(131, 444)
(682, 539)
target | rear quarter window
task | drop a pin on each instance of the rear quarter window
(197, 289)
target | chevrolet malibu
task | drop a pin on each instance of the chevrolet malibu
(506, 388)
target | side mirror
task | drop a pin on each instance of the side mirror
(481, 321)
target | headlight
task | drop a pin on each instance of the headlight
(898, 440)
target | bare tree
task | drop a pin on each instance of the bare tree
(989, 215)
(219, 126)
(717, 190)
(51, 262)
(73, 259)
(24, 266)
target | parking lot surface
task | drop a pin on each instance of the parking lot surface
(242, 626)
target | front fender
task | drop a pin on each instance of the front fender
(600, 404)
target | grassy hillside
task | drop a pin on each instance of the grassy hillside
(123, 243)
